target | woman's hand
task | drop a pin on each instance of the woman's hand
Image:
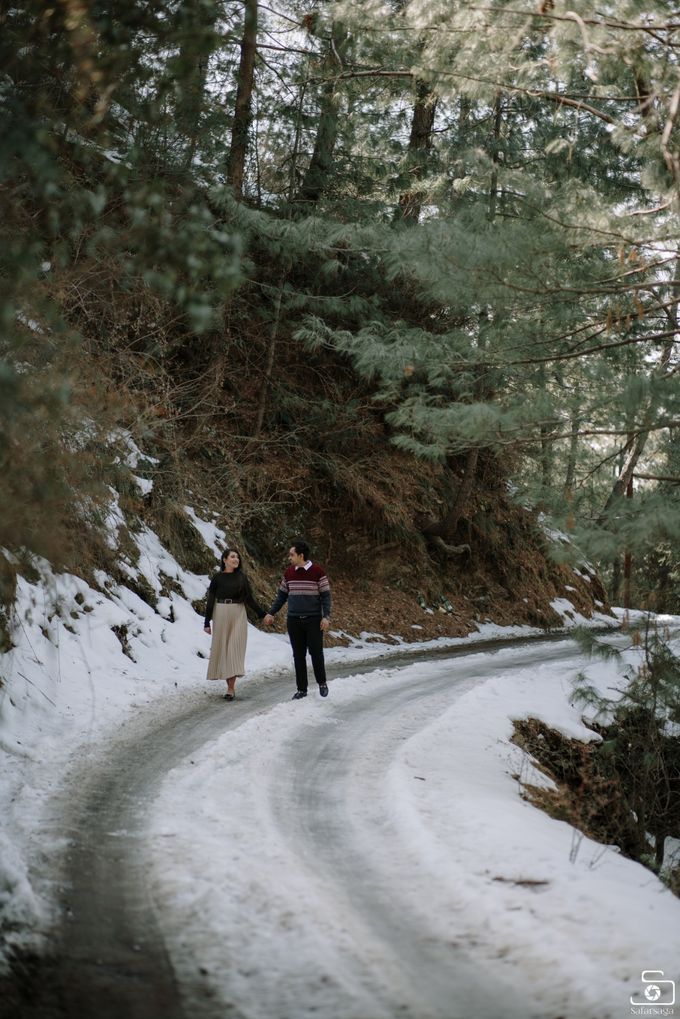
(207, 629)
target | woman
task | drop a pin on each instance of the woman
(228, 595)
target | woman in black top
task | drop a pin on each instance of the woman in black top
(228, 595)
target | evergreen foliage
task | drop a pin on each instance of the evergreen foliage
(453, 226)
(639, 756)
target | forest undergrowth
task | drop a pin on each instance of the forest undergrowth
(622, 788)
(304, 448)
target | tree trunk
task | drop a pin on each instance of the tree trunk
(196, 48)
(636, 446)
(571, 459)
(445, 528)
(269, 361)
(242, 109)
(292, 176)
(420, 142)
(546, 457)
(627, 563)
(616, 581)
(464, 116)
(495, 155)
(321, 163)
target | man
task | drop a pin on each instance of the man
(306, 588)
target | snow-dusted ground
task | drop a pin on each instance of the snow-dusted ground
(443, 787)
(371, 857)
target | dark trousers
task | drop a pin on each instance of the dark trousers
(306, 635)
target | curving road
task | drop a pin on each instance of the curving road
(109, 959)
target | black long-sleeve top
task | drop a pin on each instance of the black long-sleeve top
(235, 586)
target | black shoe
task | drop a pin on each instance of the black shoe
(299, 694)
(229, 696)
(323, 690)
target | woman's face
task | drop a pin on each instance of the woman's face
(232, 562)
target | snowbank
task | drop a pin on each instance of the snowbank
(86, 660)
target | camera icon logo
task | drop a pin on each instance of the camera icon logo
(655, 990)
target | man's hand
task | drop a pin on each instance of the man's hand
(268, 619)
(325, 624)
(207, 629)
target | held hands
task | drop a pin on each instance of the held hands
(269, 619)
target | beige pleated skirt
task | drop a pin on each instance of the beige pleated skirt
(229, 639)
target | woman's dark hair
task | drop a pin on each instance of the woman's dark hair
(239, 571)
(227, 552)
(301, 547)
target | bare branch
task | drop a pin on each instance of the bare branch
(649, 212)
(449, 550)
(625, 26)
(553, 97)
(572, 355)
(658, 477)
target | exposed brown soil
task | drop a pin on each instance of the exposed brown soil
(388, 611)
(396, 591)
(593, 790)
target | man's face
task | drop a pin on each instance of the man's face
(295, 558)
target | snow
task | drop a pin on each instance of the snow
(214, 537)
(551, 532)
(468, 763)
(145, 485)
(446, 788)
(30, 323)
(134, 457)
(551, 900)
(564, 608)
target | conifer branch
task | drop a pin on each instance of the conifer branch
(583, 353)
(591, 291)
(669, 26)
(287, 49)
(530, 440)
(553, 97)
(594, 328)
(280, 14)
(562, 100)
(673, 479)
(376, 72)
(618, 237)
(649, 212)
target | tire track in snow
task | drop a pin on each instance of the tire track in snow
(108, 958)
(413, 952)
(319, 909)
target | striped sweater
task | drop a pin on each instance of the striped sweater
(306, 590)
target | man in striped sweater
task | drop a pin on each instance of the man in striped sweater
(305, 587)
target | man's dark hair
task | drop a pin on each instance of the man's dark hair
(301, 547)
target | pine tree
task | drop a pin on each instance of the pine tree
(524, 323)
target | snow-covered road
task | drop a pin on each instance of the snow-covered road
(373, 945)
(363, 857)
(163, 853)
(370, 857)
(110, 959)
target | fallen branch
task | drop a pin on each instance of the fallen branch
(448, 549)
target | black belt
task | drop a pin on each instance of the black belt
(228, 601)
